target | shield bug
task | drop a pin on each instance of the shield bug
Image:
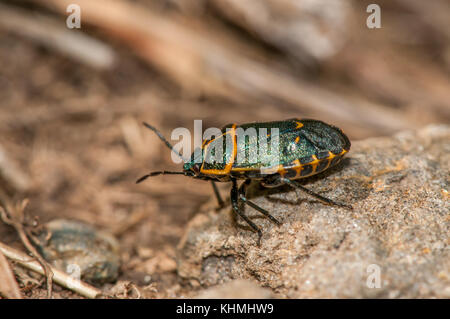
(303, 148)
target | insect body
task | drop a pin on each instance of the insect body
(299, 148)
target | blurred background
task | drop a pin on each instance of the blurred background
(72, 100)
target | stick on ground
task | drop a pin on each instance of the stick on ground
(59, 277)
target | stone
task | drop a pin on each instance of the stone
(236, 289)
(80, 250)
(393, 244)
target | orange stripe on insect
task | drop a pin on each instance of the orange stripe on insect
(330, 158)
(299, 124)
(244, 169)
(281, 170)
(314, 163)
(298, 168)
(226, 170)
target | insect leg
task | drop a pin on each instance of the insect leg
(242, 192)
(235, 204)
(296, 185)
(216, 192)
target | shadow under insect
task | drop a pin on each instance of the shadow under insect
(255, 190)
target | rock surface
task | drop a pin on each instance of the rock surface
(236, 289)
(394, 244)
(80, 250)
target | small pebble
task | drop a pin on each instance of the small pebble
(80, 250)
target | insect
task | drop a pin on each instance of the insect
(305, 147)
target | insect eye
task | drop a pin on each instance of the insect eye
(196, 168)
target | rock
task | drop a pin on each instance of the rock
(394, 244)
(79, 249)
(236, 289)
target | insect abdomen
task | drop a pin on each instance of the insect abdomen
(305, 148)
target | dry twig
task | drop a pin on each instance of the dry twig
(8, 284)
(60, 277)
(13, 215)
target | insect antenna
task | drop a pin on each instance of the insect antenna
(163, 139)
(143, 178)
